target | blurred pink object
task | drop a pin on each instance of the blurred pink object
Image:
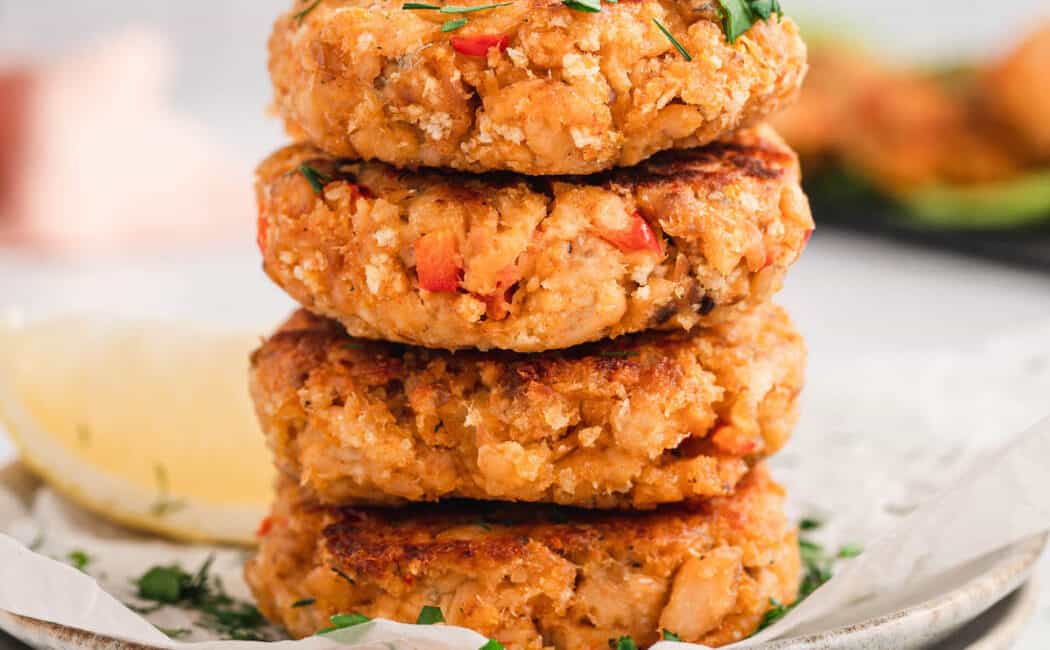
(93, 158)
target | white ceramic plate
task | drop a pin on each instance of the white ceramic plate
(987, 602)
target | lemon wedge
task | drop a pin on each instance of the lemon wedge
(146, 424)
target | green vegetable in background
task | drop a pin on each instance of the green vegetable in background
(1013, 203)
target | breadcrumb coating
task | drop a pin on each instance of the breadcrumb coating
(533, 87)
(535, 576)
(446, 260)
(648, 419)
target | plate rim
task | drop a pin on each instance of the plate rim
(985, 590)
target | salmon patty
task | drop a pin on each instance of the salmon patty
(647, 419)
(446, 260)
(531, 86)
(534, 576)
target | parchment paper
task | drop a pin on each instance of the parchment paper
(928, 462)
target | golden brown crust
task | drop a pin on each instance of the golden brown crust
(568, 93)
(540, 265)
(535, 576)
(644, 420)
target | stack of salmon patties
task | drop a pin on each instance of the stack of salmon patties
(537, 369)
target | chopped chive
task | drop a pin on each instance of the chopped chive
(430, 615)
(492, 644)
(453, 9)
(668, 635)
(470, 10)
(674, 41)
(850, 551)
(316, 179)
(344, 576)
(305, 602)
(301, 16)
(810, 524)
(587, 6)
(453, 25)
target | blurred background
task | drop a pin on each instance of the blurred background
(129, 131)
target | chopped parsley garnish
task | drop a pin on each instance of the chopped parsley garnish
(301, 16)
(674, 41)
(204, 593)
(817, 565)
(452, 9)
(175, 632)
(587, 6)
(80, 560)
(343, 621)
(623, 643)
(739, 15)
(453, 25)
(766, 8)
(305, 602)
(492, 644)
(316, 179)
(430, 615)
(668, 635)
(776, 612)
(810, 524)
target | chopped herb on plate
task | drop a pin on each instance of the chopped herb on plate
(205, 594)
(343, 621)
(79, 559)
(430, 615)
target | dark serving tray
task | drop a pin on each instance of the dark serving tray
(1022, 247)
